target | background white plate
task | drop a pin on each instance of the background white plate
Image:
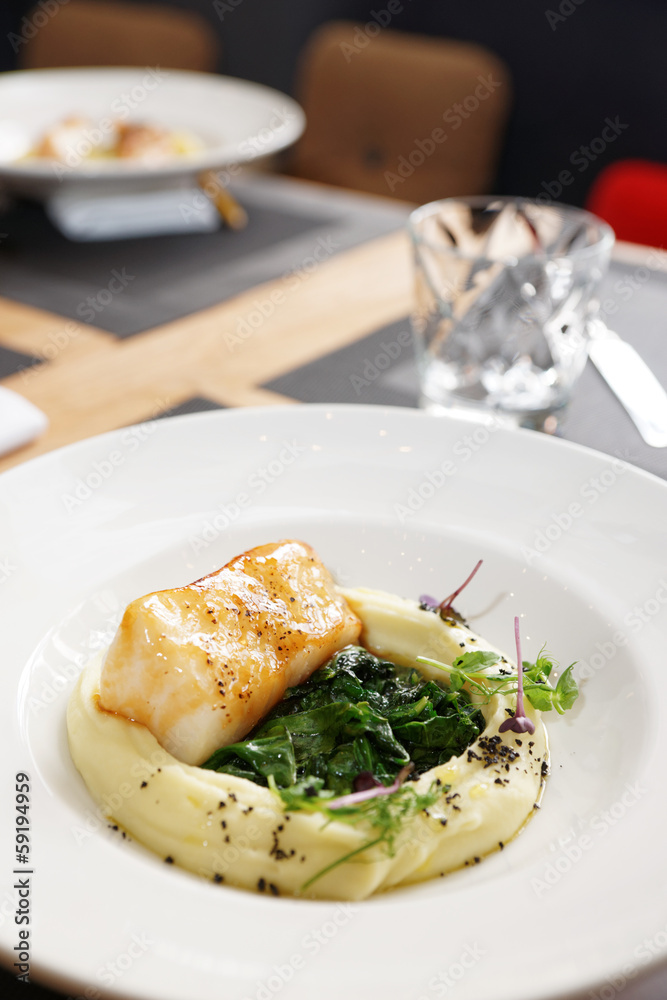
(575, 902)
(237, 121)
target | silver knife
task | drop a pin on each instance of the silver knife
(633, 382)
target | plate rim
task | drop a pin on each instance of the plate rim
(209, 159)
(414, 413)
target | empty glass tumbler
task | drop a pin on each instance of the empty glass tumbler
(505, 290)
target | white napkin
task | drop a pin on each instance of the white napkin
(20, 421)
(124, 214)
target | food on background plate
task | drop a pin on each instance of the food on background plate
(263, 728)
(80, 140)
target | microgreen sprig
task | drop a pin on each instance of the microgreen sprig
(448, 601)
(444, 608)
(386, 814)
(519, 722)
(354, 798)
(537, 688)
(532, 679)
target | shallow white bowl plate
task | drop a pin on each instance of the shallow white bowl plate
(237, 122)
(572, 541)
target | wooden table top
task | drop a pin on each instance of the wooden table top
(96, 382)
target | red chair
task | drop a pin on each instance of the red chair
(631, 195)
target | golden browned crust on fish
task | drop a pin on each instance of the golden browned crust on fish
(200, 665)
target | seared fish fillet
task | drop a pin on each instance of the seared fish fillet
(199, 666)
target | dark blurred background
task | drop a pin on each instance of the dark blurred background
(574, 64)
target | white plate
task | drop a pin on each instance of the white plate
(574, 900)
(237, 121)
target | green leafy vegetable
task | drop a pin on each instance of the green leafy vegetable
(267, 756)
(356, 714)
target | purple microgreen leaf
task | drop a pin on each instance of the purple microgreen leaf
(447, 603)
(519, 722)
(432, 602)
(354, 798)
(365, 780)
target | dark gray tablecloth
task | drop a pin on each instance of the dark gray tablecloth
(168, 277)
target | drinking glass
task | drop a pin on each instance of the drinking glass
(505, 291)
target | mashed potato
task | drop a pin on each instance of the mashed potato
(228, 829)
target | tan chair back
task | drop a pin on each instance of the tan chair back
(397, 114)
(97, 33)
